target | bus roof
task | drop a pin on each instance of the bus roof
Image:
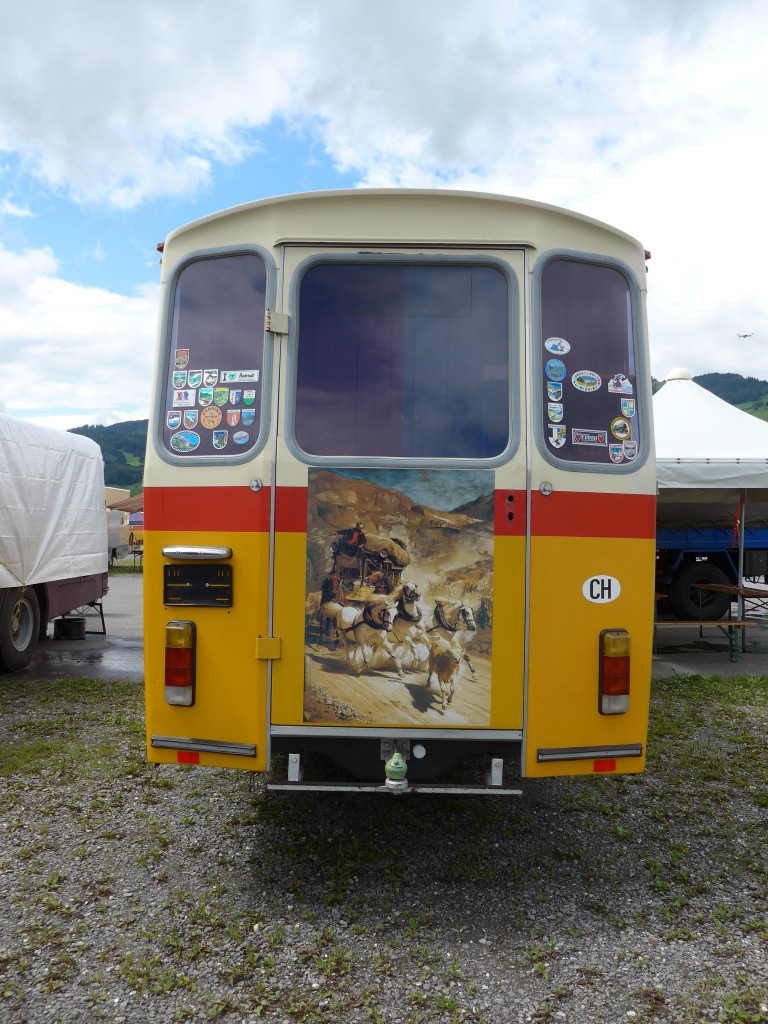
(487, 223)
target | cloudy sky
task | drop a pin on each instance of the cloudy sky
(120, 122)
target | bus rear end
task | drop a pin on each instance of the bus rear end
(399, 494)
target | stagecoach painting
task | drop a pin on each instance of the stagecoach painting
(399, 597)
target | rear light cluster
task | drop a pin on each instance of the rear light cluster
(614, 672)
(180, 643)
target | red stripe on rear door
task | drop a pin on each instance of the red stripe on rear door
(584, 514)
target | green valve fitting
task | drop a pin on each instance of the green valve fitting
(396, 768)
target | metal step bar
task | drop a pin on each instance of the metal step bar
(397, 787)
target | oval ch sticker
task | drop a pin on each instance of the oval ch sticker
(601, 589)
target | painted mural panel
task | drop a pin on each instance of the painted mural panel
(399, 598)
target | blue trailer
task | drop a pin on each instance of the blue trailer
(687, 556)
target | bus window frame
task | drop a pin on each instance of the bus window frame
(515, 341)
(166, 333)
(638, 349)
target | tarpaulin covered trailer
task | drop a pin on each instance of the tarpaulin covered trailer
(53, 536)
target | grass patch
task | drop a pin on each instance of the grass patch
(65, 726)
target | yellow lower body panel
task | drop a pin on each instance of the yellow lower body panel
(570, 604)
(227, 724)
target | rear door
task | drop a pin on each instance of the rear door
(400, 481)
(592, 515)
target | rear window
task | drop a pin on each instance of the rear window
(403, 360)
(589, 377)
(214, 376)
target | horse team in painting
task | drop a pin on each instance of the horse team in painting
(397, 630)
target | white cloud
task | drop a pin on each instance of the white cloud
(149, 102)
(72, 354)
(8, 208)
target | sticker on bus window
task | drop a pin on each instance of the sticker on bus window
(621, 429)
(620, 385)
(555, 411)
(593, 437)
(184, 398)
(220, 438)
(557, 346)
(557, 435)
(554, 391)
(210, 417)
(627, 407)
(555, 369)
(239, 376)
(586, 380)
(210, 377)
(181, 358)
(195, 378)
(185, 441)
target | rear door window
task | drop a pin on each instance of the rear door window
(403, 360)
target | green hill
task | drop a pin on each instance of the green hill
(122, 445)
(747, 393)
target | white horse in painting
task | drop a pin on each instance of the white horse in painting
(454, 622)
(410, 637)
(366, 633)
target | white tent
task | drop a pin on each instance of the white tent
(703, 442)
(711, 461)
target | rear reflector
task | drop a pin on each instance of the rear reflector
(180, 642)
(614, 672)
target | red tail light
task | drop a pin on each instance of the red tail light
(614, 672)
(180, 651)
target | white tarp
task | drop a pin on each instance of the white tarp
(703, 442)
(53, 522)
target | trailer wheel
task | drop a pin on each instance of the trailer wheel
(689, 603)
(19, 628)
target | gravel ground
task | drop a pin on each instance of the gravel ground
(148, 895)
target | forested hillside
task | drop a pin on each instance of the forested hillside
(122, 445)
(747, 393)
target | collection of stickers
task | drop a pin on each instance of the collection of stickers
(219, 401)
(617, 438)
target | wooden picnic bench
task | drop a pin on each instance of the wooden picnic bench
(728, 627)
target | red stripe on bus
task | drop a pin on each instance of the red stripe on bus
(240, 510)
(584, 514)
(291, 510)
(220, 509)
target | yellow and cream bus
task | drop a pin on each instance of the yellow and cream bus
(400, 493)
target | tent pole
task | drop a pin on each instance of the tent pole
(742, 519)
